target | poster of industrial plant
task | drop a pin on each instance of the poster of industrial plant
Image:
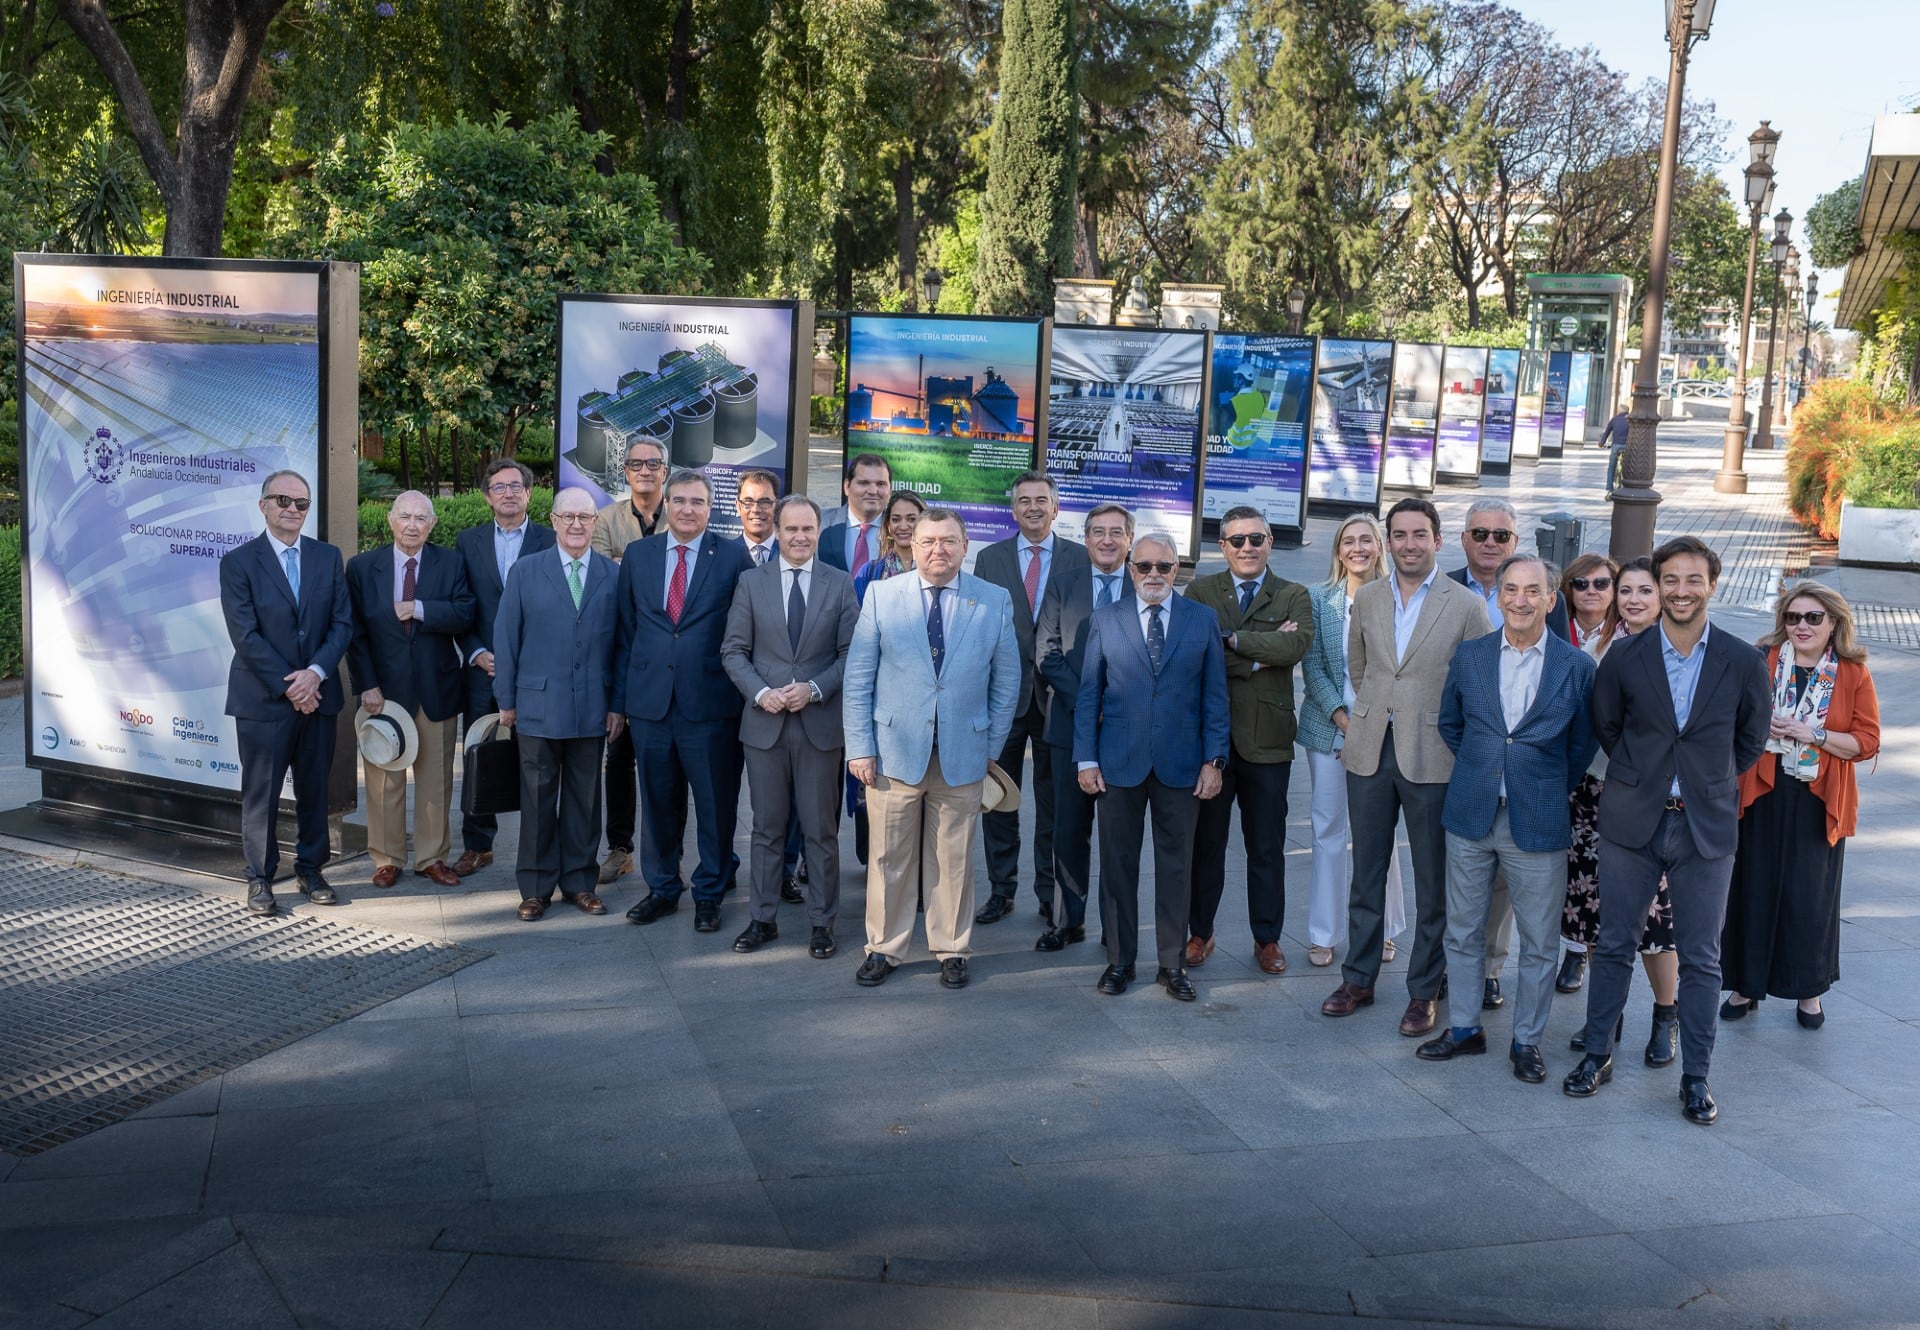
(1261, 394)
(1414, 420)
(1350, 381)
(712, 381)
(1463, 400)
(1553, 409)
(950, 402)
(1503, 386)
(1123, 426)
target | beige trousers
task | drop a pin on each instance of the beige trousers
(432, 788)
(914, 829)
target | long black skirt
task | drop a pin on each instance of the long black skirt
(1783, 912)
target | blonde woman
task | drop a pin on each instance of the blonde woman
(1359, 557)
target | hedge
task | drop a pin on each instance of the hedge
(1849, 444)
(453, 513)
(11, 660)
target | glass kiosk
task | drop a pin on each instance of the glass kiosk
(1583, 312)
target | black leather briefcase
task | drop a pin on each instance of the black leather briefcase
(491, 781)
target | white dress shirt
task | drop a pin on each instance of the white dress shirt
(1519, 683)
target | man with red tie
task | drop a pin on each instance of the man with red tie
(856, 539)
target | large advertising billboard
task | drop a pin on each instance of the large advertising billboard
(1123, 426)
(1463, 400)
(1579, 383)
(156, 397)
(1503, 386)
(1260, 400)
(1553, 409)
(1413, 422)
(1529, 406)
(1350, 381)
(951, 403)
(715, 382)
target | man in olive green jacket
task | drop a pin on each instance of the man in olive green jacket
(1267, 624)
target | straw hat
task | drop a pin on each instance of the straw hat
(998, 793)
(485, 728)
(389, 740)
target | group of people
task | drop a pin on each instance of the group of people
(1580, 759)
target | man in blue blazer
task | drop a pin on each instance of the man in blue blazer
(553, 680)
(928, 695)
(1514, 715)
(487, 553)
(1151, 731)
(411, 607)
(674, 593)
(284, 596)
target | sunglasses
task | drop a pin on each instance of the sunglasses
(1812, 618)
(288, 501)
(1498, 535)
(1590, 583)
(1160, 566)
(1253, 538)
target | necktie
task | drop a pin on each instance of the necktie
(936, 630)
(1106, 590)
(1033, 579)
(292, 557)
(573, 580)
(409, 587)
(796, 612)
(860, 556)
(1246, 595)
(761, 554)
(1156, 638)
(677, 588)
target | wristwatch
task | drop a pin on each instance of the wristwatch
(1218, 764)
(1819, 738)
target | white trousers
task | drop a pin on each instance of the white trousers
(1333, 859)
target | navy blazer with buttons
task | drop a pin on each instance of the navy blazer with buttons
(421, 672)
(1136, 723)
(272, 636)
(666, 667)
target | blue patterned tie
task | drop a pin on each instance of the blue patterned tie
(1246, 596)
(936, 630)
(1106, 590)
(1156, 638)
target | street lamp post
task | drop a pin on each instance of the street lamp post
(1296, 308)
(1761, 145)
(930, 283)
(1636, 504)
(1782, 225)
(1806, 331)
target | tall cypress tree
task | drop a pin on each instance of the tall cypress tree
(1026, 220)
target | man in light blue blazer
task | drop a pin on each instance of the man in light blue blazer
(553, 661)
(931, 682)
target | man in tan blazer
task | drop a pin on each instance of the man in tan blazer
(1401, 639)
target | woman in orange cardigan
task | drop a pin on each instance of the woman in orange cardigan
(1797, 808)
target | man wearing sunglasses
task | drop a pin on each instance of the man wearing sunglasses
(1151, 736)
(1266, 626)
(284, 596)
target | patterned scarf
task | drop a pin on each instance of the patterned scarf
(1801, 761)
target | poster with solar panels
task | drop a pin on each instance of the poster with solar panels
(1496, 435)
(1123, 426)
(1529, 407)
(1463, 403)
(1413, 422)
(1553, 407)
(952, 403)
(1350, 380)
(715, 383)
(156, 397)
(1259, 402)
(1579, 381)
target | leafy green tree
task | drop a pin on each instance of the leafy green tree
(1833, 226)
(1708, 249)
(1027, 217)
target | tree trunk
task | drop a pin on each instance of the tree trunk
(1086, 240)
(843, 260)
(681, 58)
(906, 228)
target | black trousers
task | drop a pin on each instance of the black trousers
(623, 792)
(477, 830)
(559, 816)
(268, 748)
(1001, 831)
(1260, 788)
(1374, 803)
(1072, 840)
(1123, 825)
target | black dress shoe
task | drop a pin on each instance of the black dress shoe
(1733, 1011)
(873, 970)
(1573, 973)
(953, 972)
(1490, 997)
(316, 889)
(706, 916)
(1810, 1020)
(996, 909)
(1528, 1065)
(1664, 1043)
(1585, 1080)
(1056, 939)
(1178, 986)
(1114, 979)
(260, 899)
(651, 908)
(790, 891)
(754, 936)
(1579, 1041)
(1446, 1046)
(822, 945)
(1696, 1101)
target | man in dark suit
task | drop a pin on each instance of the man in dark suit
(487, 553)
(785, 650)
(859, 537)
(553, 676)
(1681, 711)
(755, 498)
(1151, 733)
(1060, 643)
(284, 596)
(1266, 626)
(1515, 715)
(675, 591)
(1026, 566)
(411, 607)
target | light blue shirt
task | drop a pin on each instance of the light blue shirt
(673, 561)
(1021, 546)
(1683, 677)
(1405, 616)
(1119, 576)
(1492, 596)
(506, 548)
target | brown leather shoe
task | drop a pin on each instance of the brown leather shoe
(1271, 959)
(1346, 999)
(588, 902)
(532, 908)
(1419, 1017)
(437, 871)
(471, 862)
(386, 876)
(1198, 949)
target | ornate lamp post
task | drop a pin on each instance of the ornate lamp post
(1761, 145)
(930, 283)
(1636, 504)
(1296, 308)
(1806, 331)
(1782, 225)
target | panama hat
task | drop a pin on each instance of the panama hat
(486, 728)
(998, 793)
(388, 740)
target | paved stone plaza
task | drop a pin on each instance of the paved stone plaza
(606, 1125)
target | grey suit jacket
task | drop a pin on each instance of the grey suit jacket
(1409, 690)
(756, 652)
(999, 563)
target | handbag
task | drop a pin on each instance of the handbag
(490, 782)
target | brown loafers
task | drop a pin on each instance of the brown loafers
(1198, 949)
(472, 862)
(1271, 959)
(589, 903)
(1419, 1017)
(1346, 999)
(532, 908)
(386, 876)
(437, 871)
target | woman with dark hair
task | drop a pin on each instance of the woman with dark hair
(1798, 805)
(1587, 590)
(897, 521)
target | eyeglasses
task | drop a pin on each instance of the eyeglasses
(285, 501)
(571, 518)
(1253, 538)
(510, 487)
(1147, 566)
(757, 504)
(1498, 535)
(1812, 618)
(645, 464)
(1590, 583)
